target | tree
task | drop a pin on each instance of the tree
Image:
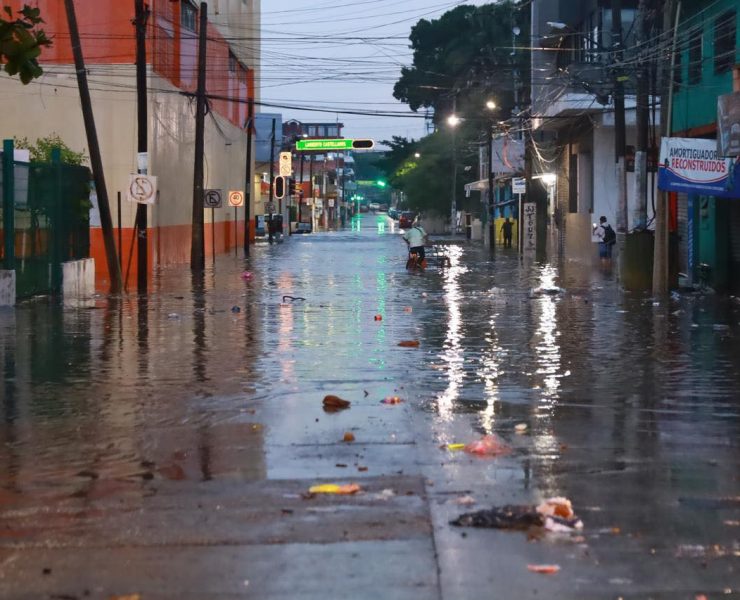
(463, 57)
(41, 150)
(21, 41)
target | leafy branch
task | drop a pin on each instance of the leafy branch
(21, 41)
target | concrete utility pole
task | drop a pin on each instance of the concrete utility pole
(248, 177)
(114, 268)
(491, 205)
(272, 181)
(197, 243)
(660, 256)
(142, 261)
(619, 131)
(642, 119)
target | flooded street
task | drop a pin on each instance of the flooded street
(164, 446)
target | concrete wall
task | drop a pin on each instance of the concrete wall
(78, 279)
(7, 288)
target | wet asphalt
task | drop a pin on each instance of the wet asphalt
(164, 447)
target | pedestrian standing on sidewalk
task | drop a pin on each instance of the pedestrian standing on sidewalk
(606, 238)
(506, 229)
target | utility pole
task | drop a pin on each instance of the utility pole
(248, 185)
(619, 131)
(453, 199)
(491, 205)
(642, 119)
(300, 195)
(197, 243)
(114, 268)
(660, 254)
(142, 262)
(272, 181)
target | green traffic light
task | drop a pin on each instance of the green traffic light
(381, 183)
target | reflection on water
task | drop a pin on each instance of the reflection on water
(545, 341)
(452, 353)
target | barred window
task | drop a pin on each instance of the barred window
(696, 56)
(724, 42)
(188, 15)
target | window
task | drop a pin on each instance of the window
(188, 15)
(695, 56)
(724, 42)
(678, 71)
(332, 131)
(233, 62)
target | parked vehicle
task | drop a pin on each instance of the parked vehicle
(374, 206)
(406, 220)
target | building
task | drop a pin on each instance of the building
(51, 105)
(573, 124)
(708, 226)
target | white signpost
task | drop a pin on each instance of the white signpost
(518, 185)
(141, 189)
(529, 229)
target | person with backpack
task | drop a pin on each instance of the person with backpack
(607, 238)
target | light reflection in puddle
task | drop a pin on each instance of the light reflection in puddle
(453, 353)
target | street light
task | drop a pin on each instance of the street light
(417, 155)
(491, 105)
(453, 120)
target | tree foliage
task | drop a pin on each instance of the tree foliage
(426, 180)
(21, 41)
(41, 149)
(465, 56)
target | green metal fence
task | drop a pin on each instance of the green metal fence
(45, 207)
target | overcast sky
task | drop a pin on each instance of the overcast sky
(342, 54)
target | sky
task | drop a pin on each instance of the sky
(343, 55)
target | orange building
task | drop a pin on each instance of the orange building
(51, 105)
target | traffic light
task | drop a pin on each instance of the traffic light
(381, 183)
(363, 144)
(279, 187)
(295, 187)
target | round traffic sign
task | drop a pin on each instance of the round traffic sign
(212, 199)
(236, 198)
(141, 189)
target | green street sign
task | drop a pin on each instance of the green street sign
(338, 144)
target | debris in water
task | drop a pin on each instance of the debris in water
(333, 488)
(348, 437)
(521, 427)
(378, 317)
(465, 500)
(544, 569)
(546, 291)
(236, 309)
(409, 344)
(247, 275)
(554, 514)
(504, 517)
(334, 403)
(408, 309)
(455, 446)
(173, 316)
(391, 400)
(488, 445)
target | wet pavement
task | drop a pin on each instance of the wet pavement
(165, 446)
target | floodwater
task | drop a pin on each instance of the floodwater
(632, 411)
